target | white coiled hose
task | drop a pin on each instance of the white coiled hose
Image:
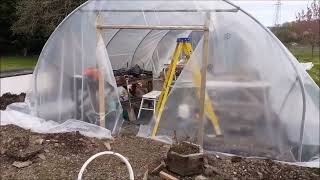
(123, 159)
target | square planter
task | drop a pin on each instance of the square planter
(185, 163)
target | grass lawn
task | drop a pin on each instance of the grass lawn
(17, 62)
(303, 54)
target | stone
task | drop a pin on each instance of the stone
(210, 171)
(260, 175)
(200, 177)
(107, 145)
(39, 141)
(41, 156)
(20, 164)
(145, 176)
(56, 144)
(25, 154)
(3, 151)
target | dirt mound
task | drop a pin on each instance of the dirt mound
(18, 146)
(252, 168)
(185, 148)
(70, 141)
(9, 98)
(63, 154)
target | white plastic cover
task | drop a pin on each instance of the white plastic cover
(264, 99)
(16, 114)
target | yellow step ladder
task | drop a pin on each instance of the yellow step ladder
(183, 44)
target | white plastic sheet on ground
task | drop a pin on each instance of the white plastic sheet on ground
(307, 66)
(27, 121)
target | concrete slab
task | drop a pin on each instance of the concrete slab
(16, 84)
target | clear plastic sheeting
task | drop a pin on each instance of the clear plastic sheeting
(67, 77)
(253, 86)
(266, 103)
(27, 121)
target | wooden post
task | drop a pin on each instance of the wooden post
(205, 55)
(101, 76)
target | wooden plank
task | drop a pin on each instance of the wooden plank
(233, 10)
(205, 56)
(166, 176)
(101, 79)
(162, 27)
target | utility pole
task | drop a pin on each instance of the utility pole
(277, 15)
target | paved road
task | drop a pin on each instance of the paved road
(18, 72)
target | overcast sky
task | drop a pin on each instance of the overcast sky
(264, 10)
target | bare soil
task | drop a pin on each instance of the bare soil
(184, 148)
(65, 153)
(61, 155)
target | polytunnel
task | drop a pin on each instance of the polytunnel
(265, 103)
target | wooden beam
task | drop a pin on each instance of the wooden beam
(161, 10)
(101, 78)
(205, 55)
(166, 176)
(153, 27)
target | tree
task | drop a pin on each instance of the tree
(307, 24)
(41, 17)
(7, 16)
(36, 20)
(312, 12)
(285, 33)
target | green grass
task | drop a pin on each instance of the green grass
(304, 54)
(17, 62)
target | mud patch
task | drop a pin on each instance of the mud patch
(9, 98)
(70, 141)
(18, 147)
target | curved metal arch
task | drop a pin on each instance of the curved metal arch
(303, 91)
(114, 35)
(162, 39)
(143, 40)
(62, 22)
(135, 50)
(46, 44)
(267, 30)
(157, 43)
